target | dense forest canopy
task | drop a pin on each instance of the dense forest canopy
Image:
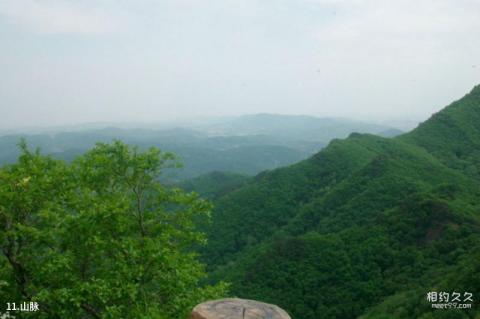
(366, 227)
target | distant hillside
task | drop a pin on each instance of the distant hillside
(215, 184)
(199, 153)
(264, 144)
(294, 127)
(366, 227)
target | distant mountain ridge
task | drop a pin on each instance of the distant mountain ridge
(260, 145)
(293, 127)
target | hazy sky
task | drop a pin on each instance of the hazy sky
(66, 62)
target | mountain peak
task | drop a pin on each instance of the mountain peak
(453, 134)
(468, 103)
(476, 89)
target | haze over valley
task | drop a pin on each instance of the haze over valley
(243, 145)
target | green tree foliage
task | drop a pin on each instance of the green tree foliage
(215, 184)
(100, 237)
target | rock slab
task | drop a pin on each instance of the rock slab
(234, 308)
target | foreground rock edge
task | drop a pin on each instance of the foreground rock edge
(235, 308)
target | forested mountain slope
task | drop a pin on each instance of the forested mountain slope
(452, 135)
(214, 184)
(367, 226)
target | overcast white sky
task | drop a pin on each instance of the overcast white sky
(65, 62)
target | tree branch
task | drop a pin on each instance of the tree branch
(90, 310)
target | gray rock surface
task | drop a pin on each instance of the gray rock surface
(234, 308)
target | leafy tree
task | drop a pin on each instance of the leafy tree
(100, 237)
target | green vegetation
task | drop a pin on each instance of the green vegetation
(366, 227)
(453, 135)
(100, 237)
(214, 184)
